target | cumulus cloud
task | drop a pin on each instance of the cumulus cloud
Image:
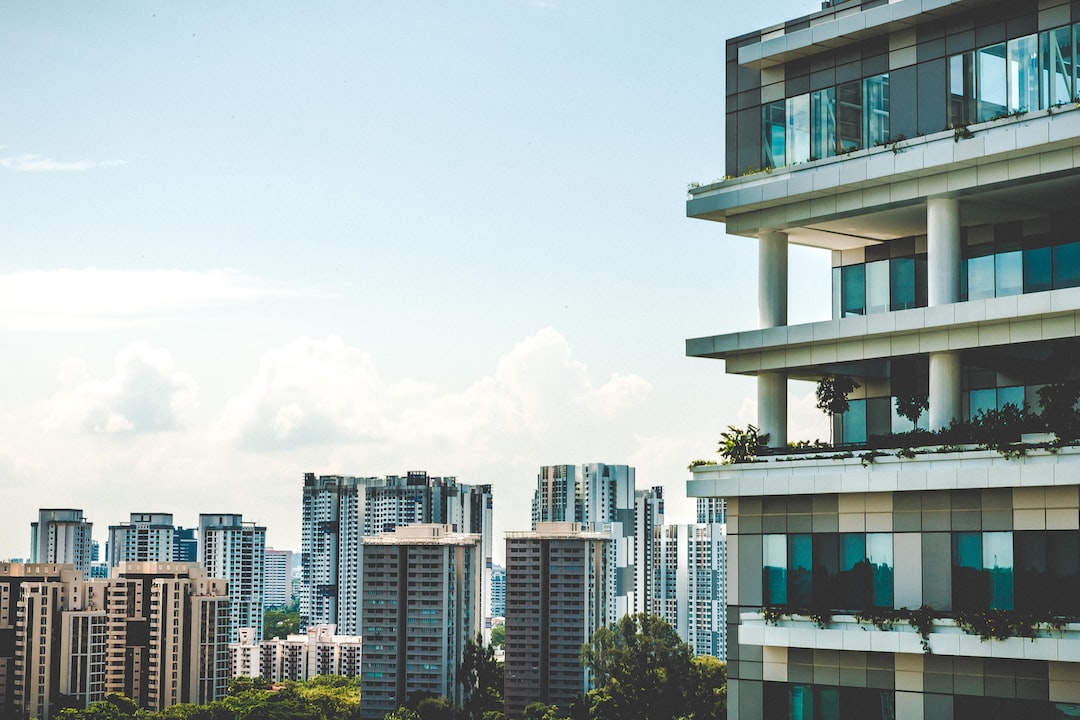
(37, 163)
(145, 393)
(87, 300)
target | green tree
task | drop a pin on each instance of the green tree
(498, 636)
(539, 711)
(481, 676)
(280, 624)
(707, 694)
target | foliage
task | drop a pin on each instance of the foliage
(498, 636)
(698, 463)
(644, 671)
(539, 711)
(1059, 408)
(280, 624)
(911, 406)
(482, 678)
(832, 392)
(739, 445)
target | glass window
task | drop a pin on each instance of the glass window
(877, 286)
(828, 703)
(878, 416)
(1009, 273)
(849, 116)
(902, 283)
(800, 570)
(1066, 265)
(968, 593)
(981, 400)
(1057, 67)
(961, 89)
(798, 129)
(823, 123)
(876, 110)
(772, 135)
(879, 555)
(980, 277)
(855, 423)
(997, 560)
(1010, 396)
(853, 289)
(992, 87)
(1024, 73)
(1037, 270)
(774, 569)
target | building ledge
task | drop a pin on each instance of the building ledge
(943, 468)
(1000, 153)
(990, 322)
(845, 632)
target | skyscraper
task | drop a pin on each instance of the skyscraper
(233, 549)
(929, 148)
(147, 537)
(277, 578)
(422, 603)
(62, 535)
(689, 587)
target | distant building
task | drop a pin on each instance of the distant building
(690, 584)
(147, 537)
(648, 515)
(422, 603)
(498, 591)
(62, 535)
(155, 632)
(319, 651)
(339, 512)
(235, 550)
(277, 574)
(556, 597)
(185, 545)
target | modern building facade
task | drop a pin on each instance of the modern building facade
(339, 512)
(235, 550)
(146, 537)
(931, 148)
(277, 578)
(319, 651)
(62, 535)
(556, 588)
(421, 605)
(498, 591)
(155, 632)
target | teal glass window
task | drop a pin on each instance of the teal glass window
(997, 561)
(902, 283)
(1066, 265)
(1008, 273)
(982, 570)
(961, 89)
(798, 129)
(1023, 67)
(853, 290)
(980, 277)
(774, 569)
(800, 570)
(991, 82)
(876, 110)
(877, 286)
(1010, 396)
(823, 123)
(1037, 275)
(981, 400)
(1056, 52)
(879, 556)
(854, 423)
(773, 129)
(849, 116)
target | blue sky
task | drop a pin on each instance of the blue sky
(243, 241)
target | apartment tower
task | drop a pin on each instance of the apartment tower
(235, 550)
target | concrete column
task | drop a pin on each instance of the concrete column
(772, 278)
(772, 407)
(772, 312)
(945, 400)
(943, 250)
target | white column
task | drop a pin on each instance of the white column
(943, 287)
(943, 250)
(772, 312)
(945, 401)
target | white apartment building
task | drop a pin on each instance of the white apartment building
(62, 535)
(235, 550)
(319, 651)
(146, 537)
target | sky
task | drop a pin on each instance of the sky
(244, 241)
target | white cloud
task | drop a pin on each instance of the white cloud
(145, 393)
(90, 299)
(37, 163)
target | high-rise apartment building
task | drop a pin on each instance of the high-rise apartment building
(62, 535)
(146, 537)
(185, 545)
(558, 495)
(556, 597)
(319, 651)
(277, 578)
(235, 550)
(154, 632)
(648, 515)
(932, 149)
(421, 604)
(339, 512)
(689, 587)
(498, 591)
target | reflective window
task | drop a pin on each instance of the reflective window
(962, 89)
(980, 277)
(877, 286)
(1024, 73)
(1066, 264)
(879, 556)
(1010, 396)
(849, 116)
(982, 570)
(773, 127)
(982, 400)
(876, 109)
(991, 86)
(1037, 270)
(902, 283)
(853, 290)
(1056, 68)
(823, 123)
(800, 570)
(798, 129)
(878, 416)
(997, 561)
(774, 569)
(854, 423)
(1009, 273)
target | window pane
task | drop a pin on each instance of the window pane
(1010, 396)
(876, 102)
(800, 569)
(798, 129)
(823, 123)
(772, 134)
(849, 116)
(827, 705)
(855, 422)
(1009, 271)
(969, 587)
(877, 286)
(853, 580)
(1037, 270)
(1066, 265)
(826, 569)
(1024, 73)
(997, 560)
(854, 290)
(774, 572)
(1057, 67)
(980, 277)
(982, 401)
(992, 87)
(878, 416)
(961, 89)
(902, 283)
(1063, 564)
(879, 554)
(1032, 580)
(801, 702)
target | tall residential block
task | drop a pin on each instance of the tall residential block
(932, 151)
(277, 578)
(146, 537)
(62, 535)
(235, 550)
(421, 604)
(339, 512)
(689, 587)
(155, 632)
(556, 597)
